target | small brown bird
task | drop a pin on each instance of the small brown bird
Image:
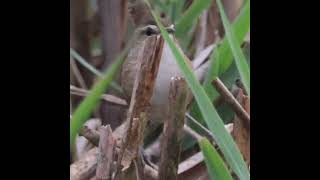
(168, 68)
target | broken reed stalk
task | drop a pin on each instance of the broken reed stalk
(172, 130)
(231, 100)
(240, 133)
(107, 145)
(149, 58)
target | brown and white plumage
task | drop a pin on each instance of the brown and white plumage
(168, 68)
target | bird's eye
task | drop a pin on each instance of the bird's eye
(149, 31)
(162, 15)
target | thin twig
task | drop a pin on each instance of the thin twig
(92, 69)
(202, 36)
(83, 62)
(202, 56)
(235, 105)
(192, 133)
(107, 97)
(200, 125)
(77, 73)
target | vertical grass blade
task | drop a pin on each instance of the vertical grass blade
(240, 59)
(215, 165)
(240, 28)
(211, 117)
(221, 57)
(192, 13)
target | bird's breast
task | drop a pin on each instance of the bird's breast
(168, 68)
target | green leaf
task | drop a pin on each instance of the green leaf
(221, 57)
(240, 28)
(82, 113)
(84, 63)
(190, 15)
(211, 117)
(235, 48)
(178, 9)
(216, 166)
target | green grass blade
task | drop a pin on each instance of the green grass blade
(215, 165)
(211, 117)
(190, 15)
(85, 108)
(178, 9)
(221, 57)
(239, 57)
(83, 62)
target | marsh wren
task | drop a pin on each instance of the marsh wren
(168, 68)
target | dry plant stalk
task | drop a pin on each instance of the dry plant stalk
(75, 73)
(241, 133)
(208, 30)
(107, 97)
(173, 128)
(113, 24)
(149, 58)
(231, 100)
(106, 153)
